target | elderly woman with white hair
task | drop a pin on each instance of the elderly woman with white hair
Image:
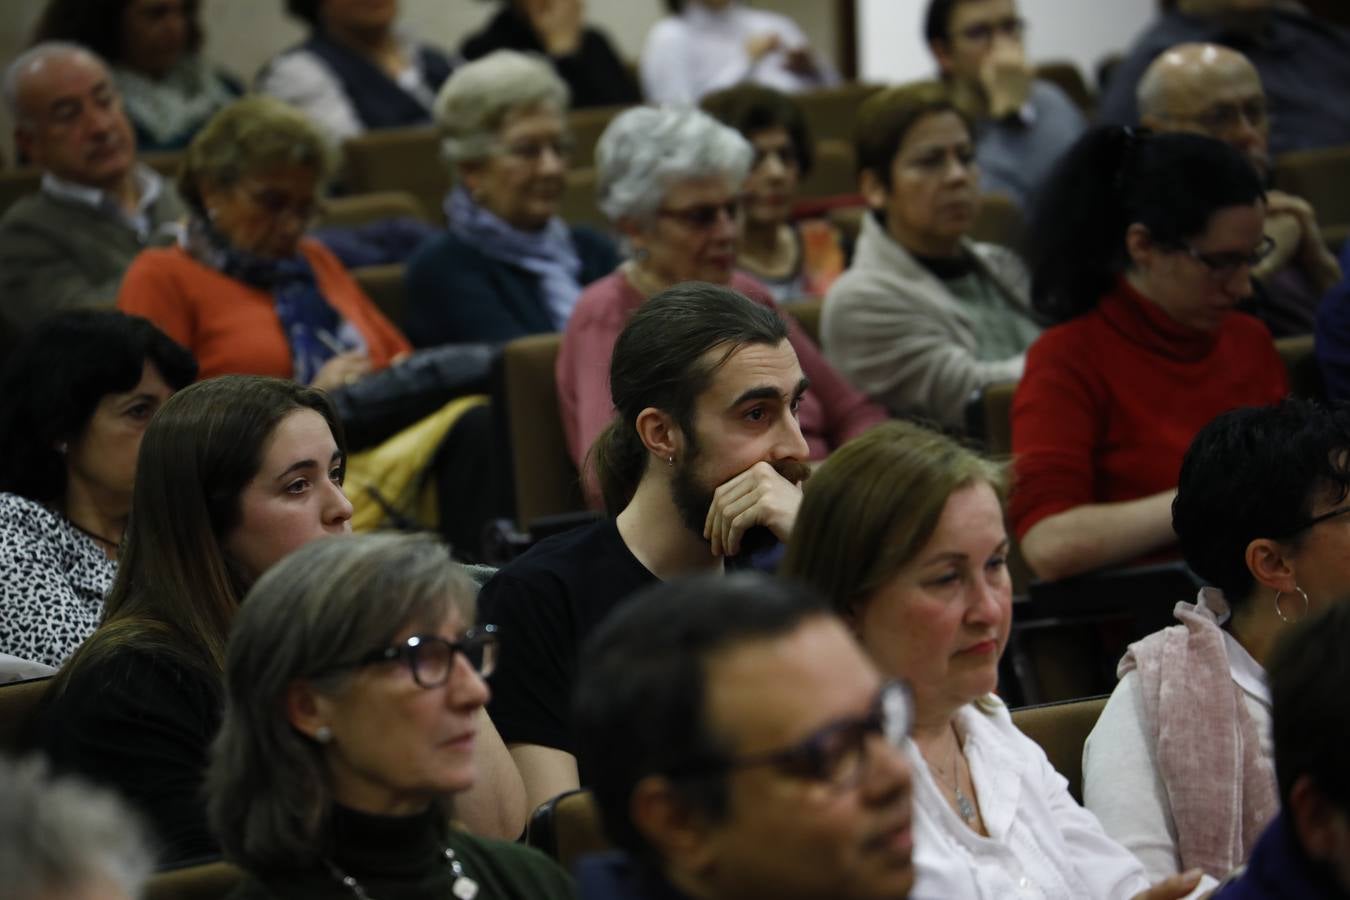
(671, 181)
(507, 265)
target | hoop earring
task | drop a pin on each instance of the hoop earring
(323, 734)
(1280, 612)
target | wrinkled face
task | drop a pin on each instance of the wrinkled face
(941, 622)
(934, 194)
(1200, 286)
(747, 415)
(693, 234)
(787, 835)
(103, 457)
(396, 745)
(975, 28)
(265, 213)
(772, 185)
(522, 181)
(295, 497)
(73, 124)
(358, 14)
(1222, 98)
(154, 35)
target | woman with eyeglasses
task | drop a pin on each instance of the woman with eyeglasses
(507, 265)
(245, 291)
(671, 181)
(1140, 249)
(354, 688)
(1179, 767)
(903, 531)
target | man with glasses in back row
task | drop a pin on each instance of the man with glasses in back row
(740, 745)
(1215, 91)
(1022, 124)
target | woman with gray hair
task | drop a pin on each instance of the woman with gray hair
(507, 266)
(354, 685)
(671, 181)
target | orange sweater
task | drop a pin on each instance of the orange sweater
(232, 328)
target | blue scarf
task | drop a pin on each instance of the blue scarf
(548, 252)
(314, 329)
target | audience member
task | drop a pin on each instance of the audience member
(1022, 124)
(69, 244)
(707, 45)
(924, 316)
(233, 474)
(1251, 515)
(701, 461)
(508, 266)
(244, 290)
(1305, 852)
(74, 402)
(1333, 334)
(354, 690)
(1142, 247)
(743, 748)
(355, 72)
(794, 259)
(669, 180)
(62, 839)
(154, 50)
(903, 530)
(581, 54)
(1303, 62)
(1211, 90)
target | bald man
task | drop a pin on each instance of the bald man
(1215, 91)
(68, 245)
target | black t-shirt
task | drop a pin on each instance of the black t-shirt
(546, 603)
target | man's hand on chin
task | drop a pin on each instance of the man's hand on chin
(761, 495)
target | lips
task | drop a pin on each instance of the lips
(897, 839)
(462, 742)
(980, 649)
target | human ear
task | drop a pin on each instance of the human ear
(942, 53)
(872, 189)
(659, 433)
(1314, 820)
(1269, 563)
(682, 836)
(306, 709)
(1140, 245)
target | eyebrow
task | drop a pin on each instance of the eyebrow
(766, 392)
(957, 556)
(304, 464)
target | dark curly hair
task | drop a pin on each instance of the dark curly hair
(751, 108)
(54, 380)
(97, 24)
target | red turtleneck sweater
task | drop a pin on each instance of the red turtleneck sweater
(1110, 401)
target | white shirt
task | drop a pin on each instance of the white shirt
(703, 50)
(1121, 784)
(149, 185)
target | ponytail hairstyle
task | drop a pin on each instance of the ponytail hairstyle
(1110, 179)
(659, 362)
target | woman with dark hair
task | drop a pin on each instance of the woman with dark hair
(356, 72)
(154, 50)
(75, 399)
(354, 687)
(1141, 247)
(233, 474)
(794, 258)
(1179, 766)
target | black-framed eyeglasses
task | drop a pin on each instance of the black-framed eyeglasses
(1319, 519)
(705, 215)
(983, 32)
(532, 151)
(431, 658)
(1223, 266)
(1225, 117)
(835, 754)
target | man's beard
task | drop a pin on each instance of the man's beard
(693, 500)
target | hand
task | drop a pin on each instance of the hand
(342, 369)
(557, 23)
(1173, 888)
(1005, 77)
(761, 45)
(801, 61)
(1292, 220)
(757, 496)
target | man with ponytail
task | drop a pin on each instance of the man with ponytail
(702, 463)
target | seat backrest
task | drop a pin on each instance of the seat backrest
(989, 418)
(807, 314)
(567, 828)
(1065, 74)
(586, 126)
(1061, 729)
(398, 159)
(384, 285)
(577, 205)
(546, 482)
(362, 209)
(18, 701)
(1305, 378)
(209, 881)
(834, 172)
(830, 112)
(1319, 176)
(999, 222)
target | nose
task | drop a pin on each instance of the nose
(889, 776)
(726, 226)
(791, 443)
(465, 688)
(990, 592)
(337, 509)
(1239, 284)
(958, 170)
(551, 160)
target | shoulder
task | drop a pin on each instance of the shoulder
(28, 518)
(30, 208)
(752, 288)
(604, 302)
(668, 30)
(163, 260)
(561, 554)
(1049, 97)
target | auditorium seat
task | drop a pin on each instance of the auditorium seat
(585, 126)
(807, 314)
(1065, 74)
(830, 112)
(398, 159)
(1321, 177)
(1061, 729)
(834, 173)
(361, 209)
(567, 828)
(207, 881)
(384, 285)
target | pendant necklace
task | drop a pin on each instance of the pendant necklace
(964, 808)
(463, 887)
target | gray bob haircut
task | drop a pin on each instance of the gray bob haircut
(477, 98)
(58, 835)
(328, 603)
(646, 151)
(28, 59)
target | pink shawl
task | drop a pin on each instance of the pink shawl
(1221, 789)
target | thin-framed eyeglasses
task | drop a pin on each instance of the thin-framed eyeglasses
(1323, 517)
(1223, 266)
(1225, 117)
(983, 32)
(704, 215)
(835, 754)
(431, 658)
(531, 151)
(278, 203)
